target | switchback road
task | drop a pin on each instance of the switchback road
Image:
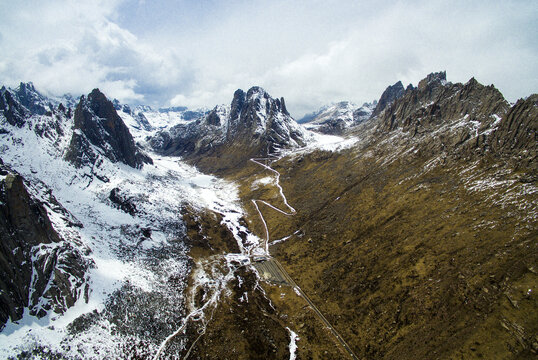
(273, 271)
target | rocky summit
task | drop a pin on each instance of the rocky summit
(254, 124)
(97, 123)
(404, 228)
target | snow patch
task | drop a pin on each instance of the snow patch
(293, 344)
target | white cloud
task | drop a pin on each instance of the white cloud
(311, 52)
(75, 47)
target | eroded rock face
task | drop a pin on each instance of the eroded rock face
(391, 94)
(517, 132)
(38, 269)
(450, 115)
(12, 110)
(99, 130)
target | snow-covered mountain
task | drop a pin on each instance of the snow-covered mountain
(98, 131)
(113, 245)
(145, 118)
(336, 118)
(254, 124)
(91, 227)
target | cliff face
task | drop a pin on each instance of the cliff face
(391, 94)
(38, 269)
(516, 138)
(12, 110)
(99, 130)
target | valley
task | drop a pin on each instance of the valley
(236, 233)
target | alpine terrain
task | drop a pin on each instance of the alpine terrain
(405, 228)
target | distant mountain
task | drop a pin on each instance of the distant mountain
(255, 124)
(337, 118)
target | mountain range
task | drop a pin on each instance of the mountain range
(400, 229)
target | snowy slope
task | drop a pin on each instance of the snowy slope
(123, 246)
(335, 118)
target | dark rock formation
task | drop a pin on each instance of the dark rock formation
(122, 202)
(97, 123)
(22, 102)
(516, 137)
(38, 269)
(518, 129)
(391, 94)
(12, 110)
(30, 98)
(261, 120)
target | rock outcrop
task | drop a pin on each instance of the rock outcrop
(517, 134)
(12, 110)
(391, 94)
(39, 270)
(99, 130)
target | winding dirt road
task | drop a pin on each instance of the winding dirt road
(278, 270)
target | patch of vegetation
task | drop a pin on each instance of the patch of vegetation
(413, 258)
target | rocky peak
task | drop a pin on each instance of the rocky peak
(96, 122)
(391, 93)
(254, 124)
(11, 108)
(433, 79)
(260, 119)
(30, 98)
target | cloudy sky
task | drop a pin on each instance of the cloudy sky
(198, 52)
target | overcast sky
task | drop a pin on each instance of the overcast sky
(198, 52)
